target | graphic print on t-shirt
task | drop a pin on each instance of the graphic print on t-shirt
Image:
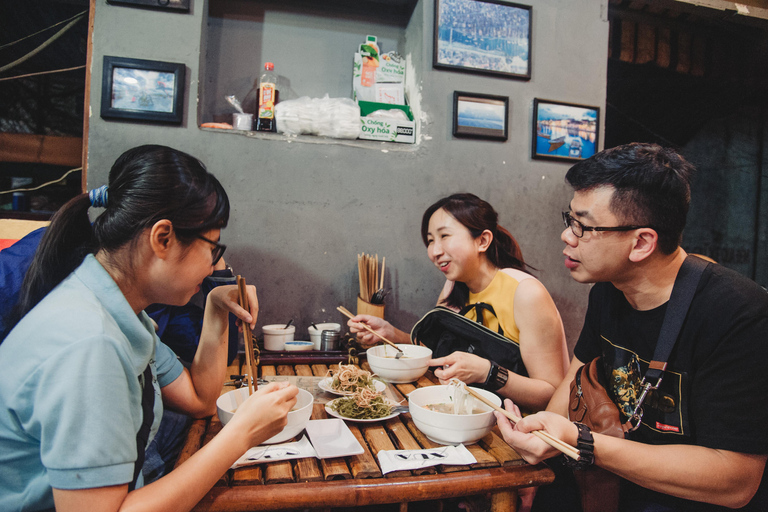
(664, 410)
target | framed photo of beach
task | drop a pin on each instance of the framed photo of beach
(483, 36)
(564, 131)
(480, 116)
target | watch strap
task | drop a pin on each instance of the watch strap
(586, 446)
(497, 377)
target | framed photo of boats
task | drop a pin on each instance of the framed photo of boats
(142, 90)
(480, 116)
(564, 131)
(483, 36)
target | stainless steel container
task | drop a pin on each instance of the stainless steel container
(329, 340)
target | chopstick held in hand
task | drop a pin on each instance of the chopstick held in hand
(346, 313)
(545, 436)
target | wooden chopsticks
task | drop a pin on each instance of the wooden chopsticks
(248, 335)
(545, 436)
(346, 313)
(368, 275)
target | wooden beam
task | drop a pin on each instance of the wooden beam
(87, 102)
(42, 149)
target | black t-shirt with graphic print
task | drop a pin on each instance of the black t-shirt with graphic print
(715, 389)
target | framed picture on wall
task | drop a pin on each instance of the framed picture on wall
(143, 90)
(564, 131)
(166, 5)
(480, 116)
(483, 36)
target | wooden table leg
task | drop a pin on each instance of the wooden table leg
(404, 506)
(504, 501)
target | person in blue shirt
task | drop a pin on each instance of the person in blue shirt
(177, 326)
(86, 379)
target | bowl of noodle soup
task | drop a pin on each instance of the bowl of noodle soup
(449, 415)
(297, 417)
(412, 365)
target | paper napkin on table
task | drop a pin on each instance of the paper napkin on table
(395, 460)
(272, 452)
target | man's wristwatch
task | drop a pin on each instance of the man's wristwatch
(497, 377)
(586, 447)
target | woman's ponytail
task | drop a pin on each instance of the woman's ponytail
(66, 242)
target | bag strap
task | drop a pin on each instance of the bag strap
(686, 282)
(142, 436)
(479, 307)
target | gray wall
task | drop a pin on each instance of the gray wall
(303, 209)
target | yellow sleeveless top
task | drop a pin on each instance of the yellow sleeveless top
(501, 295)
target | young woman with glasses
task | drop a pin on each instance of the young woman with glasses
(85, 378)
(482, 263)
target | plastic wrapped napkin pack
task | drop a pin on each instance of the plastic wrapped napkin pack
(390, 460)
(396, 460)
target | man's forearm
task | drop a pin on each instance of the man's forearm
(692, 472)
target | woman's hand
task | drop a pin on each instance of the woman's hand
(227, 298)
(530, 447)
(464, 366)
(364, 336)
(264, 413)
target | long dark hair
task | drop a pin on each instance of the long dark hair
(146, 184)
(477, 216)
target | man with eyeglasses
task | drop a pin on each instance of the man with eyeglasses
(702, 441)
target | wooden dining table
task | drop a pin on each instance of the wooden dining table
(357, 480)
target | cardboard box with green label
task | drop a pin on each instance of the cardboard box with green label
(384, 128)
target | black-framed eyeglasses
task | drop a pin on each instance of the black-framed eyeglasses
(578, 228)
(218, 249)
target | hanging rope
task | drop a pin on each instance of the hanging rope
(44, 45)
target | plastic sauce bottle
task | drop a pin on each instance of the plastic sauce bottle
(265, 121)
(370, 52)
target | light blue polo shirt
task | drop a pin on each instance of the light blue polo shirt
(70, 397)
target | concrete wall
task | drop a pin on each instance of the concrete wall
(304, 209)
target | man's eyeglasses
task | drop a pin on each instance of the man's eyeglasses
(578, 228)
(218, 249)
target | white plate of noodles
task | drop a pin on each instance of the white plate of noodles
(343, 409)
(327, 385)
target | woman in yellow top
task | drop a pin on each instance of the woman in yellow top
(483, 263)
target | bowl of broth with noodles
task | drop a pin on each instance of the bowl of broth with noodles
(449, 415)
(297, 417)
(413, 364)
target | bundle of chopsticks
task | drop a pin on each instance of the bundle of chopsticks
(371, 283)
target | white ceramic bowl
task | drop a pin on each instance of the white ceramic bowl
(408, 368)
(446, 428)
(299, 346)
(276, 336)
(314, 334)
(297, 417)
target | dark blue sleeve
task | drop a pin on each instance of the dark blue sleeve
(219, 278)
(14, 262)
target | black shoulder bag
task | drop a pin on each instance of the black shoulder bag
(445, 331)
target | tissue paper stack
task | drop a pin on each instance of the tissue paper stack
(327, 117)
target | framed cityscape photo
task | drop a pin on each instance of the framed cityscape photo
(480, 116)
(142, 90)
(564, 131)
(165, 5)
(483, 36)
